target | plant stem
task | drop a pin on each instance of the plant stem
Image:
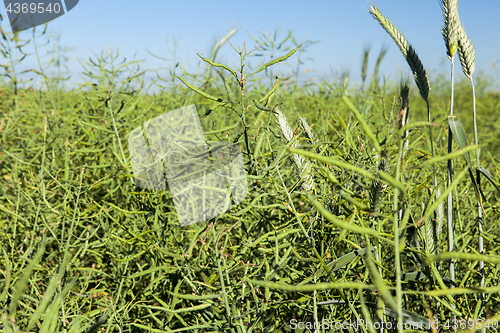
(450, 196)
(479, 208)
(397, 259)
(124, 161)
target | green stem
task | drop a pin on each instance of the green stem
(480, 220)
(124, 162)
(450, 176)
(397, 259)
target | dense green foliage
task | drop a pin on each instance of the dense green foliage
(82, 244)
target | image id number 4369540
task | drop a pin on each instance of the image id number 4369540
(471, 324)
(40, 8)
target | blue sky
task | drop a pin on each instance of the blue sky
(342, 27)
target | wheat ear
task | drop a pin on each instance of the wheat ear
(300, 162)
(466, 53)
(402, 119)
(364, 65)
(419, 73)
(428, 234)
(407, 50)
(305, 126)
(451, 26)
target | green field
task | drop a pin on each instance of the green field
(343, 220)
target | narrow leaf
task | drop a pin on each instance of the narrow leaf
(24, 280)
(413, 276)
(459, 134)
(422, 186)
(488, 176)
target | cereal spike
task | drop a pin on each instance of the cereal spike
(451, 26)
(466, 53)
(408, 52)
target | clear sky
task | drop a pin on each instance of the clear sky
(342, 27)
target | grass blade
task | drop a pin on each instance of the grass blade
(488, 176)
(23, 282)
(459, 134)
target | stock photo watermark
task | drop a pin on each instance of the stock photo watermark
(358, 324)
(203, 177)
(26, 14)
(355, 325)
